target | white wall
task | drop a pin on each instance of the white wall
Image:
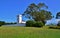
(19, 19)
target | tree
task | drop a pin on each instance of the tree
(38, 12)
(42, 16)
(58, 15)
(2, 23)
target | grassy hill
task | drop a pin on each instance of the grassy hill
(28, 32)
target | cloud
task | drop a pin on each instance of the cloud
(53, 21)
(57, 20)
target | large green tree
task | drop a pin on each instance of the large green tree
(38, 12)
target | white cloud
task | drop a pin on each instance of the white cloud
(57, 20)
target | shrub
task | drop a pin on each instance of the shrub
(2, 23)
(54, 27)
(30, 23)
(38, 24)
(58, 23)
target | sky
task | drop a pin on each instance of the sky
(9, 9)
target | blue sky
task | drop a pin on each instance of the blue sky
(10, 8)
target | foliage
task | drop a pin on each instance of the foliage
(58, 23)
(2, 23)
(58, 15)
(38, 24)
(38, 12)
(30, 23)
(54, 27)
(10, 23)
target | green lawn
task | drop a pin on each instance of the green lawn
(28, 32)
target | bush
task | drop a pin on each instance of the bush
(30, 23)
(38, 24)
(58, 23)
(2, 23)
(54, 27)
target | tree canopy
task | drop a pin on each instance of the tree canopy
(38, 12)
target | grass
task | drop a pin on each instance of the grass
(28, 32)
